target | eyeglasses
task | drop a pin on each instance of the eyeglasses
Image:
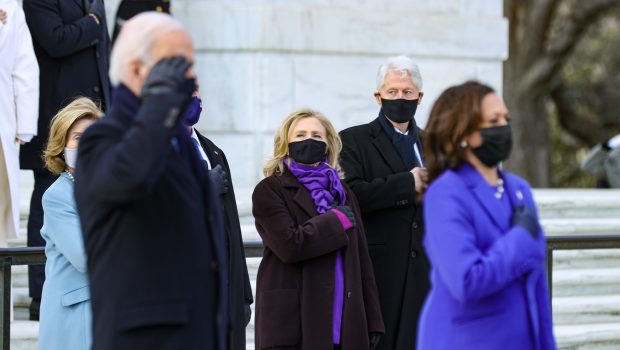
(406, 94)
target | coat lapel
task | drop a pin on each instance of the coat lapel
(215, 158)
(418, 142)
(484, 195)
(385, 147)
(82, 4)
(512, 190)
(302, 197)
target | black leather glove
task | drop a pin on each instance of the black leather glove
(168, 76)
(346, 210)
(375, 338)
(98, 9)
(219, 177)
(524, 216)
(248, 314)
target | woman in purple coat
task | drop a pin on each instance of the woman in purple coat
(483, 238)
(315, 288)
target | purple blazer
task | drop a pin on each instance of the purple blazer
(489, 289)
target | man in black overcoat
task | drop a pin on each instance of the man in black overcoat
(72, 46)
(383, 163)
(151, 219)
(239, 288)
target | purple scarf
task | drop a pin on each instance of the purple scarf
(324, 185)
(321, 181)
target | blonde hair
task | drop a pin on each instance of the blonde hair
(61, 124)
(280, 141)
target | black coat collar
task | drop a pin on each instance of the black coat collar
(384, 146)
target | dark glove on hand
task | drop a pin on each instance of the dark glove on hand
(98, 9)
(524, 216)
(248, 314)
(219, 178)
(346, 210)
(168, 76)
(375, 338)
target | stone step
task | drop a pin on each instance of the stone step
(582, 282)
(249, 233)
(588, 309)
(20, 296)
(21, 303)
(591, 225)
(19, 276)
(595, 336)
(590, 258)
(24, 335)
(578, 203)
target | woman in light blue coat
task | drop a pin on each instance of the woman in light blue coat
(65, 320)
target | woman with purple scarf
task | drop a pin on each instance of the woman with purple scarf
(315, 285)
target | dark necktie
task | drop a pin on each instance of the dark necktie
(204, 162)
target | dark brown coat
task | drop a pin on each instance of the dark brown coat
(295, 283)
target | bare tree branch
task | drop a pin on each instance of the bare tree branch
(538, 26)
(566, 106)
(545, 67)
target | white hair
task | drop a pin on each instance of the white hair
(136, 40)
(402, 64)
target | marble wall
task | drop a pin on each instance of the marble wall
(257, 60)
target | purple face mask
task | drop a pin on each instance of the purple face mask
(192, 114)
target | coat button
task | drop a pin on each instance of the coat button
(349, 295)
(214, 266)
(413, 254)
(96, 89)
(415, 225)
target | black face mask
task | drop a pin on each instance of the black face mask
(496, 145)
(308, 151)
(400, 110)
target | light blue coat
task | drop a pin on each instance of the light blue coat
(489, 290)
(65, 319)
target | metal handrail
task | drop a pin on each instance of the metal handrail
(254, 249)
(8, 258)
(36, 256)
(577, 242)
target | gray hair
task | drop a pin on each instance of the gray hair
(136, 40)
(402, 64)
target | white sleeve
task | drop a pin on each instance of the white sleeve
(614, 142)
(25, 78)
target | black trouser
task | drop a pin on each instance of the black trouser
(36, 273)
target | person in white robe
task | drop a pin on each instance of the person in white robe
(19, 108)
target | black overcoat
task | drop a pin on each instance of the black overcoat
(73, 53)
(295, 282)
(392, 218)
(153, 237)
(240, 290)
